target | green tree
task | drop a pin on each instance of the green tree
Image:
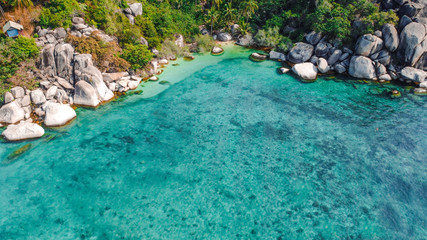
(249, 8)
(137, 55)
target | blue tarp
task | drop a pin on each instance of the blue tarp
(12, 33)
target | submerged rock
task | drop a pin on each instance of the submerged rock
(283, 70)
(58, 114)
(22, 131)
(306, 71)
(258, 57)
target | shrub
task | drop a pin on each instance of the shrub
(285, 45)
(268, 38)
(106, 56)
(15, 54)
(204, 43)
(169, 48)
(137, 55)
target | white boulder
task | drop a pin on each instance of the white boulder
(305, 71)
(11, 113)
(22, 131)
(58, 114)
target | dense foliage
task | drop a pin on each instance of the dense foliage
(137, 55)
(273, 23)
(106, 56)
(13, 52)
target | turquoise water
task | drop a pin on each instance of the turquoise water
(235, 151)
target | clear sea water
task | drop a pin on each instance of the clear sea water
(233, 151)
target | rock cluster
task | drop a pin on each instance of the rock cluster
(66, 78)
(373, 57)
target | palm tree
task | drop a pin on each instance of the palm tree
(213, 13)
(249, 8)
(229, 12)
(216, 2)
(22, 3)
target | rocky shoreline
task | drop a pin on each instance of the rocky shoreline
(69, 79)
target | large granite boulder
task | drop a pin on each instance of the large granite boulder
(22, 131)
(335, 56)
(136, 8)
(85, 95)
(112, 77)
(224, 37)
(410, 9)
(58, 114)
(322, 49)
(361, 67)
(306, 71)
(8, 97)
(313, 38)
(48, 57)
(322, 65)
(246, 40)
(11, 113)
(18, 92)
(368, 44)
(63, 58)
(37, 97)
(412, 43)
(86, 71)
(413, 74)
(277, 56)
(301, 52)
(390, 36)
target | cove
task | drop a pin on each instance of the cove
(227, 149)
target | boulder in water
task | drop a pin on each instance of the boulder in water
(85, 95)
(217, 50)
(306, 71)
(361, 67)
(22, 131)
(258, 57)
(58, 114)
(413, 74)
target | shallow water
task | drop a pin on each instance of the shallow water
(235, 151)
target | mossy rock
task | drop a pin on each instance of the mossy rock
(189, 58)
(17, 153)
(164, 82)
(395, 94)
